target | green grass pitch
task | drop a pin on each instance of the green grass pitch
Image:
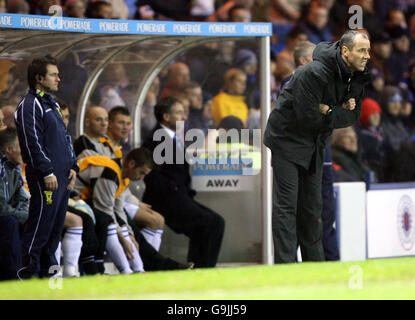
(371, 279)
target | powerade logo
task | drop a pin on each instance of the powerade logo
(232, 167)
(406, 228)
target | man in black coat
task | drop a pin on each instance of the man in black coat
(323, 95)
(168, 188)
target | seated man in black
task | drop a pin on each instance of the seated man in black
(168, 190)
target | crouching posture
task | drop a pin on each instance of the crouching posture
(102, 183)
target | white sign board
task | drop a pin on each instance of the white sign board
(351, 220)
(223, 183)
(390, 223)
(223, 177)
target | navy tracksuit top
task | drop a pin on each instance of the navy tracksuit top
(44, 142)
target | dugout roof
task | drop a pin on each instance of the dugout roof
(144, 48)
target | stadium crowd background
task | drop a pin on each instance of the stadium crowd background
(369, 152)
(210, 78)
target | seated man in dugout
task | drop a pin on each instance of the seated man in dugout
(96, 142)
(151, 222)
(103, 182)
(168, 188)
(231, 101)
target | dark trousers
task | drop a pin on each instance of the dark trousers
(10, 248)
(182, 214)
(43, 228)
(203, 226)
(328, 215)
(152, 259)
(102, 221)
(296, 213)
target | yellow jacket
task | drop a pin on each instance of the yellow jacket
(225, 104)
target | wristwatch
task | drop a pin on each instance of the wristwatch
(329, 111)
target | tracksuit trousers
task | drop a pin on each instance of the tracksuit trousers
(43, 228)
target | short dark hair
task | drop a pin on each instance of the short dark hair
(116, 111)
(164, 106)
(7, 137)
(141, 156)
(39, 67)
(347, 39)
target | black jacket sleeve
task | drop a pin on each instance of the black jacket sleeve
(306, 101)
(342, 118)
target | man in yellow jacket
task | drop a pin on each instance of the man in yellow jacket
(231, 101)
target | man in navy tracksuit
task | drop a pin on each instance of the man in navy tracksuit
(50, 168)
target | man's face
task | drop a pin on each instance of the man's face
(180, 76)
(349, 141)
(176, 114)
(105, 12)
(13, 152)
(318, 17)
(8, 113)
(120, 127)
(65, 116)
(358, 57)
(97, 122)
(241, 15)
(374, 119)
(195, 97)
(378, 84)
(402, 43)
(307, 59)
(50, 82)
(383, 50)
(138, 173)
(284, 67)
(394, 107)
(77, 10)
(238, 84)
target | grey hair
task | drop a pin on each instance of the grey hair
(302, 50)
(348, 38)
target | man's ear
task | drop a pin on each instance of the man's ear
(345, 51)
(8, 149)
(38, 77)
(131, 164)
(166, 117)
(87, 122)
